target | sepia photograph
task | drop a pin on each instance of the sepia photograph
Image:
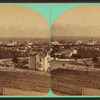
(75, 52)
(24, 52)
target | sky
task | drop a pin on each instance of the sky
(78, 21)
(20, 21)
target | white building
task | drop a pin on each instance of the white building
(40, 61)
(75, 52)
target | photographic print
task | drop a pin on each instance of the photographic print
(75, 52)
(24, 52)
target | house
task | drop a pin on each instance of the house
(78, 42)
(74, 53)
(32, 61)
(55, 43)
(92, 42)
(39, 61)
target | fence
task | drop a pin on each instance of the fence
(90, 91)
(73, 59)
(19, 92)
(75, 90)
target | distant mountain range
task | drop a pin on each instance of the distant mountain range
(17, 31)
(75, 30)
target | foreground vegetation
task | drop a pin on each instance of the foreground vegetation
(68, 82)
(25, 81)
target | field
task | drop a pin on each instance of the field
(25, 80)
(68, 78)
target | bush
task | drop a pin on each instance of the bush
(95, 60)
(88, 53)
(76, 56)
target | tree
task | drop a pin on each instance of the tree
(15, 61)
(95, 61)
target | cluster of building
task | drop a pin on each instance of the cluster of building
(73, 48)
(37, 58)
(22, 46)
